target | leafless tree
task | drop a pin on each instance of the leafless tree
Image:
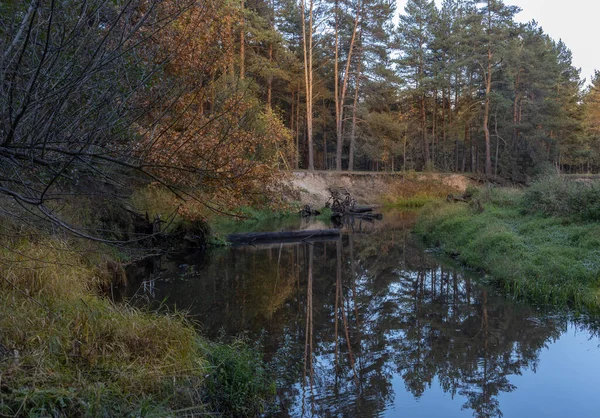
(80, 83)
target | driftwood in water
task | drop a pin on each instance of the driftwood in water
(340, 200)
(378, 216)
(278, 241)
(283, 236)
(308, 211)
(362, 209)
(367, 216)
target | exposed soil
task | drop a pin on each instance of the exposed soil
(366, 187)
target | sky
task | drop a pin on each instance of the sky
(576, 22)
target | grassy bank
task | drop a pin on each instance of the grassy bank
(158, 201)
(542, 244)
(411, 192)
(65, 350)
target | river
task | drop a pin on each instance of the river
(374, 324)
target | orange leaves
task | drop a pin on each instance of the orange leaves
(205, 130)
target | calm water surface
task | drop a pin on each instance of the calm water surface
(376, 325)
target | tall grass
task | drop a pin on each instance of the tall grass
(526, 251)
(410, 192)
(68, 351)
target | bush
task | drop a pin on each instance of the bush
(559, 196)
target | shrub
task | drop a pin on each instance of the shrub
(559, 196)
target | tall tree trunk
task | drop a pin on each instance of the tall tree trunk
(486, 115)
(298, 127)
(308, 78)
(464, 156)
(488, 89)
(497, 144)
(324, 139)
(343, 89)
(426, 156)
(433, 126)
(270, 76)
(354, 110)
(336, 86)
(515, 132)
(420, 77)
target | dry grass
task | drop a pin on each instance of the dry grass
(72, 352)
(411, 192)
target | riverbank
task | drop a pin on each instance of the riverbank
(67, 350)
(400, 189)
(541, 244)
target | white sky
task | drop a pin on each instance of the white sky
(576, 22)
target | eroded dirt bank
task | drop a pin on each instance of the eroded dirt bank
(365, 187)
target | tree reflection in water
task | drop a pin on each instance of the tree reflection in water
(340, 320)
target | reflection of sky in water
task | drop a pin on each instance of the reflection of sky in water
(565, 384)
(426, 340)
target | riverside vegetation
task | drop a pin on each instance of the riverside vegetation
(191, 108)
(541, 243)
(66, 350)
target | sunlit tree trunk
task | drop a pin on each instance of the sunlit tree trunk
(307, 37)
(354, 112)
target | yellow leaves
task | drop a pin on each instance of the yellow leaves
(212, 136)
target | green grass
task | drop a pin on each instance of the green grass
(250, 219)
(546, 259)
(238, 383)
(68, 351)
(325, 214)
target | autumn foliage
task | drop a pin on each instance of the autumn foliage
(212, 135)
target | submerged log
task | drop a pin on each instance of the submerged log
(368, 216)
(378, 216)
(362, 209)
(283, 236)
(279, 241)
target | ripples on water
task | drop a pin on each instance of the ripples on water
(373, 325)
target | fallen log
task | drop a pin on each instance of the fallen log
(270, 237)
(370, 216)
(362, 209)
(279, 241)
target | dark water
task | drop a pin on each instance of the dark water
(374, 325)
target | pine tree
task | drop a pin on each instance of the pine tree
(415, 64)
